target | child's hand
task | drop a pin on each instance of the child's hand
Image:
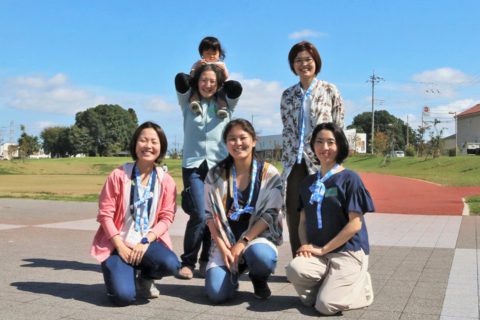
(196, 66)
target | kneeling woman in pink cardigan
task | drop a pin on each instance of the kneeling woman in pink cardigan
(136, 208)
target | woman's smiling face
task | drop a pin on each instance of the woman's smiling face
(148, 146)
(207, 84)
(240, 143)
(325, 148)
(304, 65)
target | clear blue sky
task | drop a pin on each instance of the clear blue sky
(61, 57)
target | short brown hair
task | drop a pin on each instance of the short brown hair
(310, 48)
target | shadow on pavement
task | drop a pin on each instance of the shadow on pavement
(196, 294)
(93, 294)
(61, 265)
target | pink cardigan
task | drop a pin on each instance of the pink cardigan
(113, 200)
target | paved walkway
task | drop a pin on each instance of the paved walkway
(422, 267)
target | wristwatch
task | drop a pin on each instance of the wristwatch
(246, 240)
(144, 240)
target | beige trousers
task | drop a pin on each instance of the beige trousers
(332, 283)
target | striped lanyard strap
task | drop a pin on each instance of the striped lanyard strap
(143, 202)
(301, 120)
(247, 208)
(318, 191)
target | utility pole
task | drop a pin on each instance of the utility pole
(373, 79)
(456, 131)
(407, 132)
(12, 131)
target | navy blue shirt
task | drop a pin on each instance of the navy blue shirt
(345, 192)
(238, 227)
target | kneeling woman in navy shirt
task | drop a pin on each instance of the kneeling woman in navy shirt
(330, 269)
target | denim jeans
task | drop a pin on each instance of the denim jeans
(119, 276)
(221, 284)
(196, 232)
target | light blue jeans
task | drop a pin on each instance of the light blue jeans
(158, 261)
(221, 284)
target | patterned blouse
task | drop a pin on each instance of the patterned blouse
(326, 105)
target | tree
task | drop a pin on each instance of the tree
(421, 147)
(110, 128)
(385, 123)
(435, 145)
(27, 144)
(381, 142)
(56, 141)
(80, 140)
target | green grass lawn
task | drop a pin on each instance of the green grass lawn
(474, 204)
(81, 179)
(69, 179)
(449, 171)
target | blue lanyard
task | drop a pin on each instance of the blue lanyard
(143, 205)
(247, 208)
(301, 121)
(318, 191)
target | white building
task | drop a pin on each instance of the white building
(270, 147)
(357, 142)
(468, 129)
(4, 154)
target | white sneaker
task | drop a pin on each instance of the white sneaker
(146, 288)
(222, 113)
(196, 108)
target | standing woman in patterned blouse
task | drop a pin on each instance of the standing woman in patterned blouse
(303, 106)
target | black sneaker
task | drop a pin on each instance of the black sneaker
(261, 289)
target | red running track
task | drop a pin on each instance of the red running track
(392, 194)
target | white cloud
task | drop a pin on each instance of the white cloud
(40, 125)
(352, 108)
(442, 82)
(306, 33)
(54, 94)
(261, 100)
(57, 95)
(157, 103)
(454, 106)
(442, 76)
(445, 114)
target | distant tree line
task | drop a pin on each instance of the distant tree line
(103, 130)
(391, 134)
(106, 130)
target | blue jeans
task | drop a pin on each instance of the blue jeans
(193, 203)
(221, 284)
(119, 276)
